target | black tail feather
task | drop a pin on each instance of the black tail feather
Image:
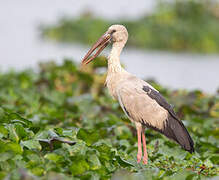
(175, 130)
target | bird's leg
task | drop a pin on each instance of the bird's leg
(145, 157)
(139, 129)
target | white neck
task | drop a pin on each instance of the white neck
(114, 58)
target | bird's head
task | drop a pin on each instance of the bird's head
(118, 33)
(115, 33)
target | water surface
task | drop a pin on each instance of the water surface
(21, 46)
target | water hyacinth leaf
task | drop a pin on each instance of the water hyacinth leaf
(63, 111)
(46, 134)
(23, 133)
(215, 159)
(15, 117)
(54, 157)
(52, 134)
(13, 147)
(104, 150)
(33, 157)
(102, 147)
(31, 144)
(79, 148)
(5, 156)
(94, 162)
(12, 133)
(38, 171)
(89, 136)
(3, 131)
(2, 175)
(123, 162)
(79, 166)
(70, 133)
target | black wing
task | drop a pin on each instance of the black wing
(160, 100)
(174, 128)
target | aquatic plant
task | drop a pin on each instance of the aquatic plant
(60, 123)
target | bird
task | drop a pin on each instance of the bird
(142, 103)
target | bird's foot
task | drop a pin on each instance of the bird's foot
(139, 155)
(145, 160)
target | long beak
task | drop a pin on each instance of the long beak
(101, 43)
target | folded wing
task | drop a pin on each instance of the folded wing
(142, 103)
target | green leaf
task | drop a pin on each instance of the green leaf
(79, 166)
(63, 111)
(94, 162)
(104, 150)
(31, 144)
(5, 156)
(123, 162)
(89, 136)
(16, 118)
(38, 171)
(54, 157)
(79, 148)
(2, 174)
(13, 147)
(3, 132)
(12, 133)
(215, 159)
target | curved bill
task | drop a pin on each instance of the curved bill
(101, 43)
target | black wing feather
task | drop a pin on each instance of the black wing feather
(160, 100)
(174, 128)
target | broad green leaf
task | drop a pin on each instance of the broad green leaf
(104, 150)
(5, 156)
(215, 159)
(89, 136)
(13, 147)
(79, 148)
(65, 109)
(54, 157)
(3, 132)
(123, 162)
(31, 144)
(2, 175)
(15, 117)
(79, 166)
(22, 132)
(94, 162)
(12, 133)
(37, 171)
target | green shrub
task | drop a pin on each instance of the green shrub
(180, 25)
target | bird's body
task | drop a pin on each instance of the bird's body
(142, 104)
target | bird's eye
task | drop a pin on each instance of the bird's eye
(113, 31)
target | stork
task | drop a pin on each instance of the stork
(141, 102)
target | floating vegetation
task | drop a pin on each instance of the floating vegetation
(61, 123)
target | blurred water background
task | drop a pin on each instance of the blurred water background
(22, 47)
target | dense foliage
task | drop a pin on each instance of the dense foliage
(60, 123)
(175, 25)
